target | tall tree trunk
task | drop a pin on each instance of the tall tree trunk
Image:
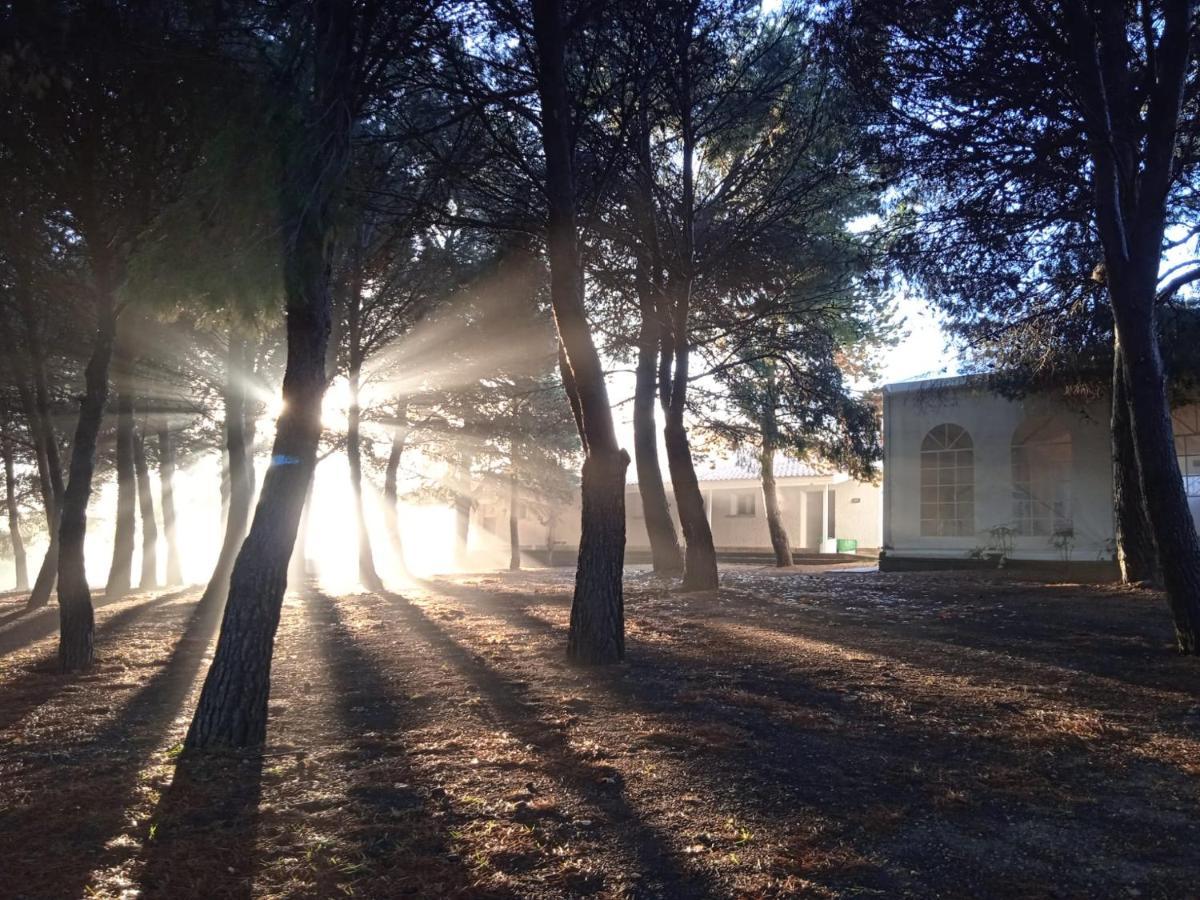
(1133, 170)
(166, 480)
(367, 575)
(462, 512)
(76, 616)
(779, 536)
(14, 513)
(665, 554)
(47, 572)
(237, 465)
(1173, 528)
(597, 630)
(36, 404)
(1134, 538)
(391, 472)
(514, 524)
(233, 702)
(149, 574)
(120, 573)
(700, 559)
(769, 426)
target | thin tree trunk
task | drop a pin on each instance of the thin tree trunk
(76, 616)
(14, 514)
(462, 513)
(166, 479)
(1134, 538)
(597, 630)
(47, 572)
(769, 426)
(236, 464)
(149, 574)
(779, 536)
(700, 558)
(514, 525)
(233, 702)
(391, 498)
(120, 573)
(367, 574)
(665, 554)
(41, 427)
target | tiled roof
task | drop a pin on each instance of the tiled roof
(735, 469)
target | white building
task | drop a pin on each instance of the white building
(818, 507)
(969, 473)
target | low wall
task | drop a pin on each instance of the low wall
(1057, 570)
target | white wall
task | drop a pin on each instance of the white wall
(909, 414)
(859, 513)
(860, 521)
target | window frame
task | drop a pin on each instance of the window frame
(1042, 461)
(946, 461)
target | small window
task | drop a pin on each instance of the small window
(742, 504)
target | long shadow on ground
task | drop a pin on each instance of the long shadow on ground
(392, 827)
(43, 622)
(599, 786)
(977, 802)
(105, 773)
(42, 679)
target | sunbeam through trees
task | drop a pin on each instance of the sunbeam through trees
(488, 448)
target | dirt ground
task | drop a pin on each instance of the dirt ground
(820, 734)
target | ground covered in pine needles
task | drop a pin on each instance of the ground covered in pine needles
(830, 734)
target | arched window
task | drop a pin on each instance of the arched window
(947, 483)
(1186, 420)
(1041, 472)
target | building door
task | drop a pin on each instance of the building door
(814, 519)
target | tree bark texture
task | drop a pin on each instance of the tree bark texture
(166, 482)
(149, 573)
(1173, 528)
(76, 616)
(232, 711)
(1132, 173)
(597, 631)
(1135, 551)
(21, 567)
(120, 572)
